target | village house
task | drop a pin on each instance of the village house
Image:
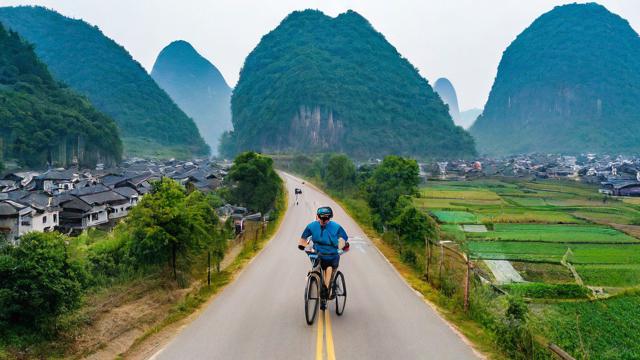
(56, 181)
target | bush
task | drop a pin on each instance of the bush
(39, 281)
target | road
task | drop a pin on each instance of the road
(261, 314)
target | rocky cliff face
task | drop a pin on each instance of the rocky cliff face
(569, 83)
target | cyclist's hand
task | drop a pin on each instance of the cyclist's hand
(346, 246)
(301, 247)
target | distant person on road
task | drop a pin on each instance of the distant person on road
(326, 235)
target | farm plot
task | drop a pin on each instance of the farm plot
(610, 275)
(596, 329)
(556, 234)
(554, 252)
(455, 217)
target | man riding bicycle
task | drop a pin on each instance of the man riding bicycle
(325, 235)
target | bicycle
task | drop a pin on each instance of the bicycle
(312, 293)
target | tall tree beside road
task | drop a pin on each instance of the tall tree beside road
(170, 225)
(253, 182)
(341, 173)
(394, 177)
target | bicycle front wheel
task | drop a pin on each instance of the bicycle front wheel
(340, 290)
(311, 298)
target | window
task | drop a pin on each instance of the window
(94, 217)
(55, 218)
(44, 219)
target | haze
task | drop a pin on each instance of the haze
(462, 40)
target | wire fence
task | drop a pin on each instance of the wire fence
(465, 280)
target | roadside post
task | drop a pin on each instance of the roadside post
(209, 268)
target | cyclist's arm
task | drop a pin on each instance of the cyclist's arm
(343, 234)
(304, 238)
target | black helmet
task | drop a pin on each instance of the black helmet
(324, 212)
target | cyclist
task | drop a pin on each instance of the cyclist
(325, 235)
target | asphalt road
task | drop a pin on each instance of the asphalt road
(261, 314)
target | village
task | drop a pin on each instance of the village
(73, 200)
(615, 176)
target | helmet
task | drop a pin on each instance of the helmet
(325, 211)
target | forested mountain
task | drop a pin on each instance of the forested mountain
(568, 83)
(40, 121)
(81, 56)
(319, 84)
(197, 86)
(447, 93)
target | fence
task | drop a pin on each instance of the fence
(464, 281)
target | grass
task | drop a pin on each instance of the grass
(556, 233)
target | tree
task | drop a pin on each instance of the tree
(168, 225)
(253, 182)
(413, 225)
(341, 173)
(39, 281)
(394, 177)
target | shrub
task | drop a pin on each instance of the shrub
(39, 281)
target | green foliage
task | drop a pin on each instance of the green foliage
(567, 84)
(341, 173)
(39, 281)
(253, 182)
(412, 224)
(169, 225)
(393, 178)
(40, 121)
(548, 291)
(82, 57)
(318, 84)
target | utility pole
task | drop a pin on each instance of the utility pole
(209, 268)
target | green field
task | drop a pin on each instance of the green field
(605, 329)
(555, 233)
(455, 217)
(610, 275)
(537, 224)
(553, 252)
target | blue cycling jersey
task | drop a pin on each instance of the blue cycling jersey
(325, 238)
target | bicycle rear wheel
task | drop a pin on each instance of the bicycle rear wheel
(311, 298)
(340, 290)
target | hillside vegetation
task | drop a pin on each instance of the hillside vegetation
(569, 83)
(322, 84)
(40, 121)
(81, 56)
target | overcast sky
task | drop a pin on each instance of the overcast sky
(461, 40)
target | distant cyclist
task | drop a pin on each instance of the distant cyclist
(325, 235)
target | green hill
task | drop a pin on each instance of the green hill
(42, 122)
(81, 56)
(319, 84)
(569, 83)
(197, 87)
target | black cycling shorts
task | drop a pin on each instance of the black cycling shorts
(329, 261)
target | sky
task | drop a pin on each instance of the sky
(461, 40)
